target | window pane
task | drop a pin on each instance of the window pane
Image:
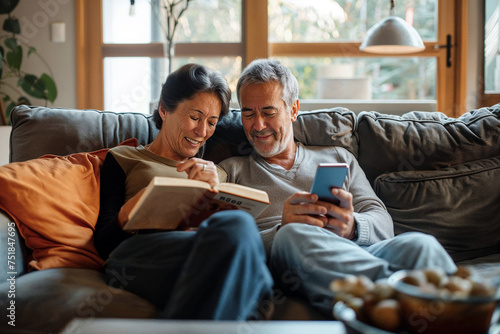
(230, 67)
(121, 27)
(138, 90)
(344, 20)
(210, 21)
(127, 84)
(365, 78)
(492, 47)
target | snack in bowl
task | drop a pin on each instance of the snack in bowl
(418, 301)
(374, 303)
(437, 303)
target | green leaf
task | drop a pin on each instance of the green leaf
(14, 57)
(2, 52)
(7, 6)
(11, 43)
(12, 25)
(23, 100)
(31, 50)
(32, 86)
(50, 87)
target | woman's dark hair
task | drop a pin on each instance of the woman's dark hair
(185, 83)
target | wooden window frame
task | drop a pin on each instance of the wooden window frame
(484, 99)
(451, 81)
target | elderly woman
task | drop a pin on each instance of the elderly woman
(218, 272)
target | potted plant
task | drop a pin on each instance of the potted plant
(13, 79)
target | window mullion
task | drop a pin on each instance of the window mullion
(255, 34)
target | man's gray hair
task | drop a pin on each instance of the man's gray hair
(267, 70)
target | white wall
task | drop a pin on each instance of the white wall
(4, 144)
(35, 17)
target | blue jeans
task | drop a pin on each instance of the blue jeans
(218, 272)
(305, 259)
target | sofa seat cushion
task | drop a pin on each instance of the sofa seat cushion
(458, 205)
(45, 301)
(426, 140)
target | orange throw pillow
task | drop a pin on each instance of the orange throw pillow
(54, 201)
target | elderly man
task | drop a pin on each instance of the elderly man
(311, 242)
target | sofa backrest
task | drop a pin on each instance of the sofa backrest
(425, 140)
(37, 131)
(325, 127)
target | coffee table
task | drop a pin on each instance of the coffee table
(134, 326)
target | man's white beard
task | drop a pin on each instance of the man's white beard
(275, 150)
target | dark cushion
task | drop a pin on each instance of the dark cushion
(425, 140)
(459, 205)
(323, 127)
(45, 301)
(37, 131)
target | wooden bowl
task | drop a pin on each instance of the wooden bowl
(439, 313)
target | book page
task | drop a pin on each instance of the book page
(244, 191)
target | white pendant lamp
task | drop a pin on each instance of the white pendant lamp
(392, 35)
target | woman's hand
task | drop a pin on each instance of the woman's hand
(127, 207)
(199, 169)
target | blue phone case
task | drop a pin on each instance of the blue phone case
(329, 176)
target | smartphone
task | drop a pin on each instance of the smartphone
(328, 176)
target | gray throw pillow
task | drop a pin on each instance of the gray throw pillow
(425, 140)
(459, 205)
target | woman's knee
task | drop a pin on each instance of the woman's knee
(234, 227)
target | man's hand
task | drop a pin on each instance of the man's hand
(340, 217)
(305, 208)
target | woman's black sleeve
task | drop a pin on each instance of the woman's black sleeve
(108, 233)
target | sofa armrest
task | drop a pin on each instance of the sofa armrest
(13, 251)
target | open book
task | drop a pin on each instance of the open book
(182, 204)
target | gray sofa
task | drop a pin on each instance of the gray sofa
(435, 174)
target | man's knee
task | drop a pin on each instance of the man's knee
(419, 241)
(289, 234)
